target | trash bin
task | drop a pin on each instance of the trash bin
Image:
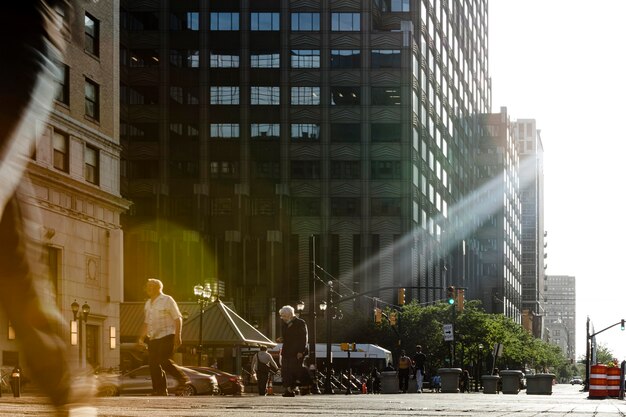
(15, 381)
(490, 384)
(388, 382)
(539, 384)
(510, 381)
(449, 379)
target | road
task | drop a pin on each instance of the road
(566, 400)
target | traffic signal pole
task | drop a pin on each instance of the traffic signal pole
(622, 322)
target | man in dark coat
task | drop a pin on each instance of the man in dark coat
(295, 339)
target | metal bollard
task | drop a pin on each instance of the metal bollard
(15, 382)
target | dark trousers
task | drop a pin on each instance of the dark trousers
(290, 370)
(403, 379)
(26, 95)
(262, 376)
(160, 360)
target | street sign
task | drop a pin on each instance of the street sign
(448, 332)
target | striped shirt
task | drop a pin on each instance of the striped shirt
(160, 316)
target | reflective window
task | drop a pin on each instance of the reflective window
(305, 169)
(224, 21)
(224, 130)
(140, 58)
(345, 206)
(305, 21)
(386, 132)
(345, 170)
(345, 132)
(305, 131)
(305, 206)
(265, 60)
(92, 99)
(386, 206)
(306, 96)
(386, 96)
(224, 59)
(305, 58)
(92, 35)
(345, 58)
(60, 151)
(265, 131)
(184, 95)
(341, 22)
(264, 21)
(385, 170)
(342, 96)
(92, 165)
(224, 95)
(185, 58)
(185, 21)
(386, 58)
(265, 95)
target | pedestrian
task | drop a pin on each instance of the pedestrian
(435, 383)
(404, 370)
(419, 361)
(263, 365)
(33, 39)
(162, 326)
(295, 340)
(464, 381)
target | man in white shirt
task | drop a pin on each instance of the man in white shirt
(262, 365)
(162, 325)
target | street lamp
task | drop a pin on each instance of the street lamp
(479, 367)
(300, 307)
(203, 296)
(76, 328)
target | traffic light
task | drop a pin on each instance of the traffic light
(378, 315)
(393, 318)
(622, 324)
(401, 295)
(460, 299)
(450, 294)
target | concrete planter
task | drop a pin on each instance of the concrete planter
(490, 384)
(510, 381)
(540, 384)
(449, 379)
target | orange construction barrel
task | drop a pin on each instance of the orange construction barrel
(597, 381)
(613, 374)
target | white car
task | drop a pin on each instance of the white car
(576, 380)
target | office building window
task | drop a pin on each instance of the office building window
(305, 21)
(386, 96)
(386, 206)
(92, 35)
(92, 99)
(224, 21)
(224, 130)
(264, 21)
(185, 21)
(265, 59)
(305, 96)
(345, 96)
(305, 206)
(140, 58)
(183, 130)
(346, 22)
(385, 170)
(305, 131)
(305, 170)
(386, 58)
(184, 95)
(185, 58)
(345, 206)
(345, 58)
(345, 170)
(265, 96)
(60, 151)
(386, 132)
(140, 21)
(63, 91)
(345, 132)
(92, 165)
(305, 58)
(224, 95)
(264, 131)
(224, 59)
(266, 169)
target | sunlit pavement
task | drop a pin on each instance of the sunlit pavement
(566, 400)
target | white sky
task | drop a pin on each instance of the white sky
(562, 62)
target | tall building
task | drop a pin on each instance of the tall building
(499, 234)
(76, 186)
(560, 307)
(530, 147)
(248, 127)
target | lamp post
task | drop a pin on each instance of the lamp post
(328, 389)
(480, 365)
(203, 296)
(300, 307)
(80, 314)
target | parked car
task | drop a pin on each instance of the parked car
(229, 384)
(139, 382)
(576, 380)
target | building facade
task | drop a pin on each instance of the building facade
(248, 127)
(76, 186)
(560, 305)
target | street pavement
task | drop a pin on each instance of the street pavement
(566, 400)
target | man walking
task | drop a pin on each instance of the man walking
(162, 325)
(404, 369)
(295, 339)
(419, 360)
(262, 365)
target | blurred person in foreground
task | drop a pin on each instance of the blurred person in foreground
(32, 43)
(295, 339)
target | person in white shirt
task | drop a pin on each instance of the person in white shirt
(262, 365)
(162, 325)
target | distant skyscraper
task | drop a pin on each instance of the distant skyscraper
(530, 146)
(561, 312)
(250, 126)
